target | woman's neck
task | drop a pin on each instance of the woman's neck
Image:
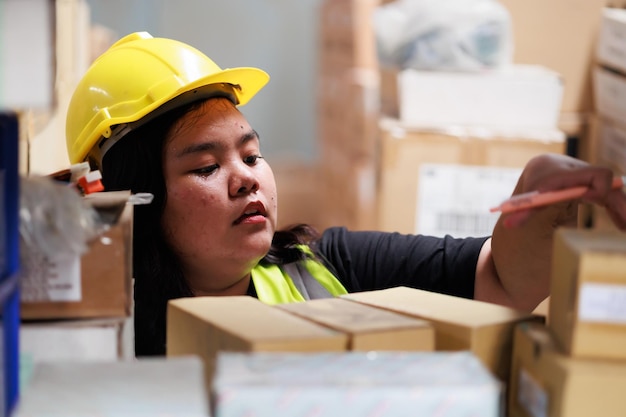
(240, 287)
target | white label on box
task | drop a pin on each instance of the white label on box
(51, 280)
(531, 396)
(604, 303)
(455, 199)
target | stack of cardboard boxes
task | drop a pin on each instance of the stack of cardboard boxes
(572, 365)
(78, 306)
(409, 151)
(608, 142)
(576, 365)
(348, 109)
(403, 320)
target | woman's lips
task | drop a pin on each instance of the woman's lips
(254, 213)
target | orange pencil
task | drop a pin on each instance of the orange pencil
(538, 199)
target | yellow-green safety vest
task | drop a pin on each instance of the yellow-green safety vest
(294, 282)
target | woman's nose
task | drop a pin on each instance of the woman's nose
(243, 180)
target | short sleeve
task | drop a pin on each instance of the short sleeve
(365, 261)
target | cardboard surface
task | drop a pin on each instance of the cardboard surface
(368, 328)
(460, 324)
(94, 285)
(546, 382)
(610, 94)
(204, 326)
(354, 384)
(439, 182)
(588, 286)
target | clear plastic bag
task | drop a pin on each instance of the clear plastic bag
(451, 35)
(54, 219)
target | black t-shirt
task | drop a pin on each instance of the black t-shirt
(365, 261)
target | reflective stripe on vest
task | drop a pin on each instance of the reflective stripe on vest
(298, 281)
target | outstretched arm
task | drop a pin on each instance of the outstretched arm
(514, 266)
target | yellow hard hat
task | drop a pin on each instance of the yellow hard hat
(138, 75)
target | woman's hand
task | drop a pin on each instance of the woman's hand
(515, 266)
(552, 172)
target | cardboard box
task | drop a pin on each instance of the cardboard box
(204, 326)
(77, 340)
(352, 384)
(545, 382)
(611, 51)
(368, 328)
(298, 188)
(609, 142)
(560, 35)
(444, 182)
(588, 286)
(610, 94)
(348, 185)
(95, 285)
(460, 324)
(512, 97)
(346, 33)
(166, 387)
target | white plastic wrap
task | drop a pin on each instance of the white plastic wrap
(454, 35)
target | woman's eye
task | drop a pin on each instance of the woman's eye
(251, 160)
(206, 170)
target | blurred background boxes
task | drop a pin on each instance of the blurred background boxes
(511, 97)
(611, 48)
(561, 35)
(444, 181)
(610, 91)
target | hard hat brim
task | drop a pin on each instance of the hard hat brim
(246, 82)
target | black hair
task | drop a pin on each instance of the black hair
(136, 163)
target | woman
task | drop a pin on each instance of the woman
(156, 115)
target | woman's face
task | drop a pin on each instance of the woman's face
(221, 208)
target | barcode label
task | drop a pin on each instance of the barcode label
(455, 199)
